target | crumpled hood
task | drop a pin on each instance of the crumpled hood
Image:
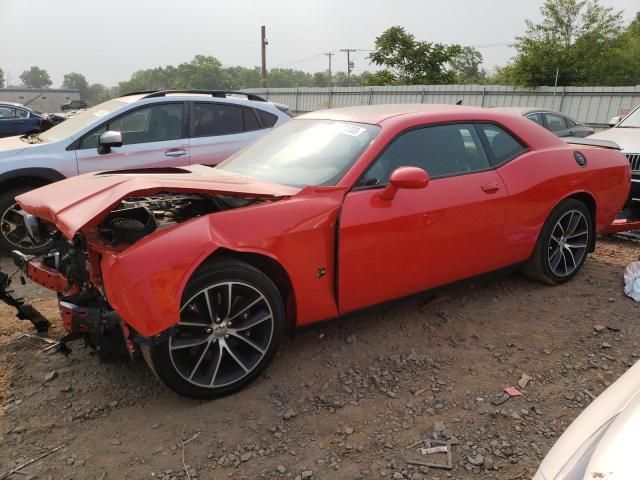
(627, 138)
(11, 146)
(85, 200)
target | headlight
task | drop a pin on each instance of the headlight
(576, 466)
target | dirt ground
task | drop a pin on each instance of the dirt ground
(350, 399)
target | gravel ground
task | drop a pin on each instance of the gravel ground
(352, 399)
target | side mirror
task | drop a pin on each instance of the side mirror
(107, 140)
(614, 121)
(404, 177)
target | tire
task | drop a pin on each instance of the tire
(563, 244)
(208, 357)
(13, 232)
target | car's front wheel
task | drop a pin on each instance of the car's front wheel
(231, 320)
(15, 234)
(563, 244)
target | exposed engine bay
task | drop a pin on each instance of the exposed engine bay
(133, 219)
(72, 268)
(137, 217)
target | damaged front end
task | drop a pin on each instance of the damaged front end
(73, 267)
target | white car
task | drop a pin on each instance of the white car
(626, 134)
(602, 443)
(141, 130)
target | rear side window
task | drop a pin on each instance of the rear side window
(555, 123)
(250, 120)
(501, 145)
(213, 119)
(268, 119)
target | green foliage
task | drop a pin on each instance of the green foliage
(466, 66)
(35, 77)
(1, 78)
(76, 81)
(407, 61)
(581, 40)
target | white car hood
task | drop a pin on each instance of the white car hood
(627, 138)
(614, 458)
(11, 146)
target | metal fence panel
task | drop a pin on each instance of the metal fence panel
(586, 104)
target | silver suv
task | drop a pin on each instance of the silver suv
(140, 130)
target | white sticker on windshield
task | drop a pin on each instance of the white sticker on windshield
(352, 130)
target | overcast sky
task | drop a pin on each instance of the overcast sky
(108, 41)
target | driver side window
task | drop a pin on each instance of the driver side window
(441, 151)
(155, 123)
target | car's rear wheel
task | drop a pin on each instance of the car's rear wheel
(14, 234)
(563, 244)
(231, 320)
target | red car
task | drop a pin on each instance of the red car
(203, 270)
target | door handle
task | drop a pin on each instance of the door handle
(175, 152)
(490, 187)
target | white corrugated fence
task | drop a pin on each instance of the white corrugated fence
(595, 105)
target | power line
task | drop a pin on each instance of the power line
(492, 45)
(301, 60)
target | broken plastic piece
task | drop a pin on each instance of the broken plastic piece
(431, 450)
(435, 446)
(508, 392)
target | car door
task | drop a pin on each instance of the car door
(218, 130)
(153, 136)
(449, 230)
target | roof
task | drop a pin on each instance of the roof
(14, 104)
(523, 110)
(377, 113)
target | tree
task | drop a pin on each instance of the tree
(411, 62)
(1, 78)
(35, 77)
(78, 82)
(574, 40)
(98, 93)
(466, 66)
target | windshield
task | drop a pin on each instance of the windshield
(632, 120)
(80, 120)
(303, 152)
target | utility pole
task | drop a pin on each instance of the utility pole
(329, 54)
(349, 63)
(263, 46)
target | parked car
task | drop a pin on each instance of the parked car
(337, 210)
(16, 119)
(159, 129)
(601, 442)
(74, 105)
(559, 123)
(627, 134)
